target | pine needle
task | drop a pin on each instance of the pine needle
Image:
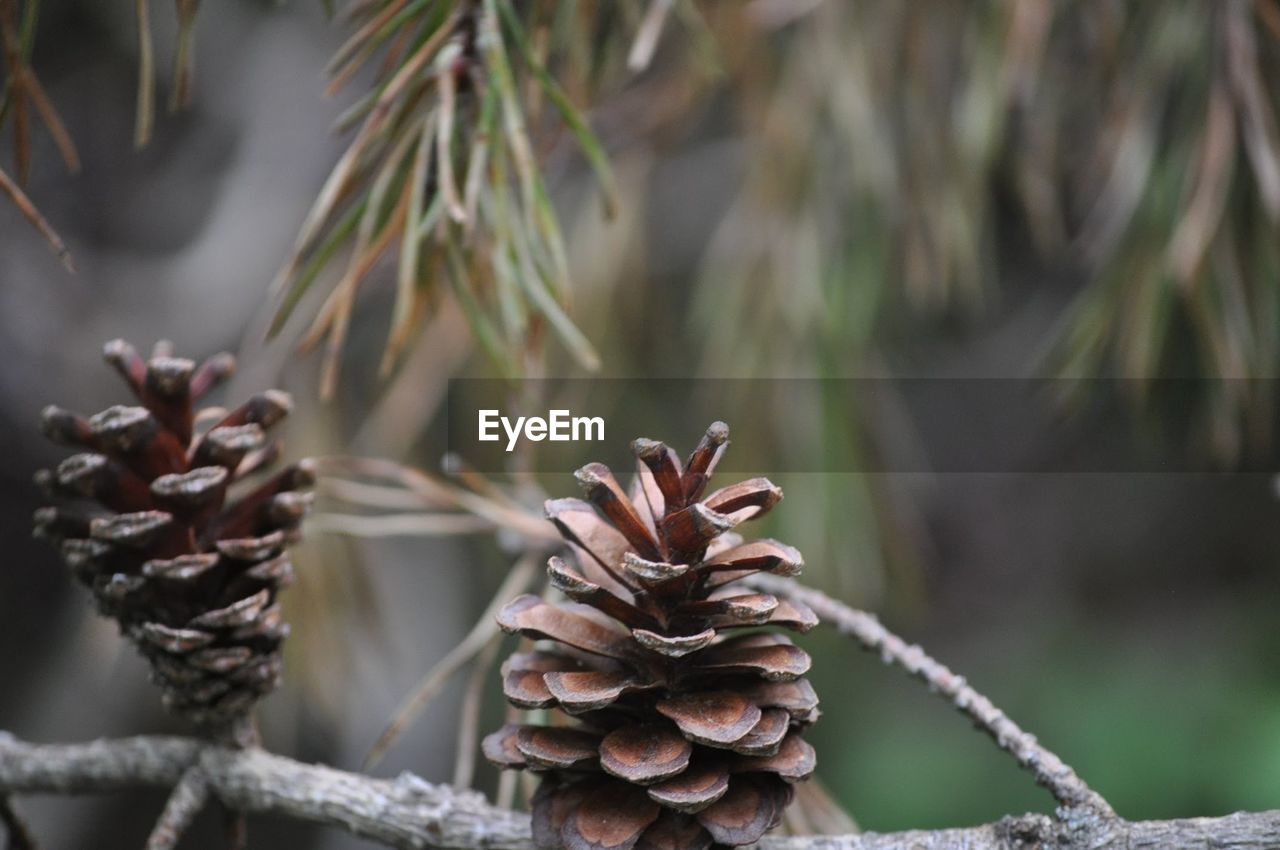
(449, 78)
(145, 117)
(36, 220)
(481, 634)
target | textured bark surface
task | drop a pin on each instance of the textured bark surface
(408, 812)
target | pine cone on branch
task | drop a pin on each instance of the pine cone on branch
(683, 733)
(190, 573)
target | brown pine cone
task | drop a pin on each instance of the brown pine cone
(190, 574)
(684, 733)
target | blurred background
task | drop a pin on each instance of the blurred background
(804, 188)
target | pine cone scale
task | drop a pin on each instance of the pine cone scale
(644, 754)
(531, 616)
(674, 831)
(715, 718)
(695, 789)
(557, 747)
(580, 692)
(611, 816)
(749, 808)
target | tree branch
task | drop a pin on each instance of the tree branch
(408, 812)
(185, 802)
(1049, 771)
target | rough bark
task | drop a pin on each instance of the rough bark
(185, 802)
(408, 812)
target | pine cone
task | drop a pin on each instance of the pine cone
(686, 734)
(191, 576)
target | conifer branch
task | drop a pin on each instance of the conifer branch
(442, 180)
(185, 802)
(1048, 769)
(408, 812)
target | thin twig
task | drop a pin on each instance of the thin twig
(491, 505)
(825, 815)
(53, 122)
(395, 525)
(185, 802)
(180, 97)
(507, 780)
(647, 38)
(15, 65)
(464, 766)
(446, 73)
(1049, 771)
(371, 495)
(470, 646)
